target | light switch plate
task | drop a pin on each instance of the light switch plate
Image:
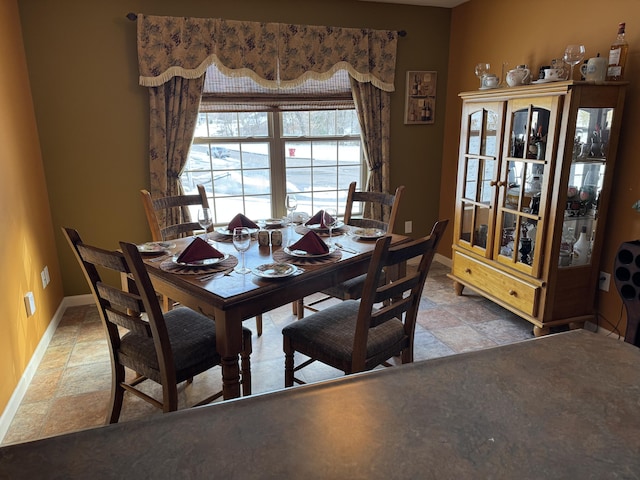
(408, 226)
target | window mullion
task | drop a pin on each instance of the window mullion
(278, 168)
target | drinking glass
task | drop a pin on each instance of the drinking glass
(481, 70)
(241, 241)
(573, 55)
(290, 203)
(205, 219)
(330, 218)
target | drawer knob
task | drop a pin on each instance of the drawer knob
(467, 270)
(513, 293)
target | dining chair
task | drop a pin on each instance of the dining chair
(167, 348)
(358, 335)
(175, 207)
(352, 289)
(158, 210)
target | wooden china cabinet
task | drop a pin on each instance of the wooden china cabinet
(534, 181)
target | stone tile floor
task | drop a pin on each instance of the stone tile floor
(71, 387)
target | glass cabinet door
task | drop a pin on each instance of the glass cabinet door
(586, 176)
(524, 179)
(479, 174)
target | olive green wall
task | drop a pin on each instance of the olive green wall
(93, 115)
(495, 31)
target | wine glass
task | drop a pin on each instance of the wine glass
(205, 219)
(330, 218)
(290, 203)
(481, 70)
(241, 241)
(573, 55)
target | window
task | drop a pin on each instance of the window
(254, 145)
(249, 161)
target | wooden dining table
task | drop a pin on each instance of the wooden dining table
(230, 297)
(561, 406)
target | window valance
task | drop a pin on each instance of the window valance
(275, 55)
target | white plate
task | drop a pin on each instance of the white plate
(316, 226)
(275, 270)
(299, 217)
(155, 247)
(225, 231)
(200, 263)
(273, 222)
(367, 232)
(303, 254)
(548, 80)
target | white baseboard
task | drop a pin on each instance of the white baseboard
(20, 390)
(446, 261)
(600, 330)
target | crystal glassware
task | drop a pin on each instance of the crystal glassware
(481, 70)
(290, 203)
(241, 241)
(573, 55)
(330, 219)
(205, 219)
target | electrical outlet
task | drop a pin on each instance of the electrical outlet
(408, 226)
(46, 274)
(43, 277)
(604, 280)
(30, 304)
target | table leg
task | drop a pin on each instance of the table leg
(229, 345)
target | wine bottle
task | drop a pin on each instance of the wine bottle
(581, 249)
(618, 56)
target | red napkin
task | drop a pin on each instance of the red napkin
(241, 221)
(198, 250)
(310, 243)
(318, 218)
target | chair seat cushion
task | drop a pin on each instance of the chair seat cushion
(328, 336)
(193, 344)
(352, 288)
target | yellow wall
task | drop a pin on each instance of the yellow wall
(496, 31)
(26, 242)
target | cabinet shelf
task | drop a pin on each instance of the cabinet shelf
(587, 160)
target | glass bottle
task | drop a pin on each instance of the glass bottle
(414, 86)
(617, 56)
(581, 249)
(566, 246)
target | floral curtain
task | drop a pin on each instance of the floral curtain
(173, 115)
(174, 53)
(275, 55)
(374, 114)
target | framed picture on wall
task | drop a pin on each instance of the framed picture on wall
(420, 102)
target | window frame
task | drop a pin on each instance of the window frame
(277, 160)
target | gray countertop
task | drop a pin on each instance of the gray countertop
(562, 406)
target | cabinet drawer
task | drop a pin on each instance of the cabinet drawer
(496, 283)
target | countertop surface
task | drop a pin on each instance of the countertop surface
(561, 406)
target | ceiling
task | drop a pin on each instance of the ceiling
(424, 3)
